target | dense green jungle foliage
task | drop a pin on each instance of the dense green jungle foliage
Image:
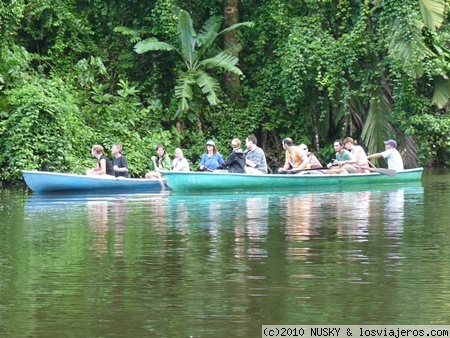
(73, 73)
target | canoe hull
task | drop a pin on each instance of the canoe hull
(45, 182)
(219, 181)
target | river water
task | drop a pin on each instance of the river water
(223, 265)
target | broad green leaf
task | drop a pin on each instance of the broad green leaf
(152, 44)
(441, 92)
(237, 25)
(224, 61)
(183, 89)
(188, 38)
(208, 33)
(432, 12)
(209, 86)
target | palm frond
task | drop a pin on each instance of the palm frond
(183, 90)
(378, 126)
(135, 35)
(209, 86)
(237, 25)
(432, 12)
(407, 44)
(152, 44)
(188, 38)
(224, 61)
(209, 31)
(441, 93)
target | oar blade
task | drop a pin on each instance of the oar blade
(383, 171)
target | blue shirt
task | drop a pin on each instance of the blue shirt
(212, 162)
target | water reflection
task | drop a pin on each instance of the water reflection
(215, 264)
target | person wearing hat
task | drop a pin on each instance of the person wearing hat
(211, 159)
(391, 154)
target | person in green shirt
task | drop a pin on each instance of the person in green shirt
(163, 162)
(342, 155)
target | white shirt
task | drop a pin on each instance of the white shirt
(393, 158)
(180, 165)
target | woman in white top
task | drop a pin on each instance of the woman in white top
(359, 159)
(180, 163)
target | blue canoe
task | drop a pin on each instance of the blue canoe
(224, 181)
(45, 182)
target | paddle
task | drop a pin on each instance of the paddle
(291, 171)
(163, 188)
(383, 171)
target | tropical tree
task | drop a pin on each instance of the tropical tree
(200, 54)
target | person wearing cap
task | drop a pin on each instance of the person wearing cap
(391, 154)
(211, 159)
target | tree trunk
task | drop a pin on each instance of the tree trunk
(231, 17)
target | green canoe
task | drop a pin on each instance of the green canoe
(224, 181)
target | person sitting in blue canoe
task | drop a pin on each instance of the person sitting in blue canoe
(119, 162)
(391, 154)
(255, 158)
(211, 159)
(342, 155)
(163, 162)
(104, 165)
(235, 162)
(180, 163)
(296, 158)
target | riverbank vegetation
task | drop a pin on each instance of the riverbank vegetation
(75, 73)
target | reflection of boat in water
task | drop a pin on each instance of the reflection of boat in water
(224, 196)
(75, 201)
(220, 181)
(46, 182)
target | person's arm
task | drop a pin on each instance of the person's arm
(377, 155)
(124, 164)
(166, 163)
(287, 164)
(305, 161)
(203, 162)
(355, 159)
(102, 166)
(220, 159)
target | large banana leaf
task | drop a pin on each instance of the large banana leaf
(152, 44)
(237, 25)
(432, 12)
(209, 33)
(188, 39)
(441, 93)
(224, 61)
(209, 86)
(183, 90)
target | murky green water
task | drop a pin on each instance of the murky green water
(222, 265)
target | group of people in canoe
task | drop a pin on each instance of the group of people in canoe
(349, 158)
